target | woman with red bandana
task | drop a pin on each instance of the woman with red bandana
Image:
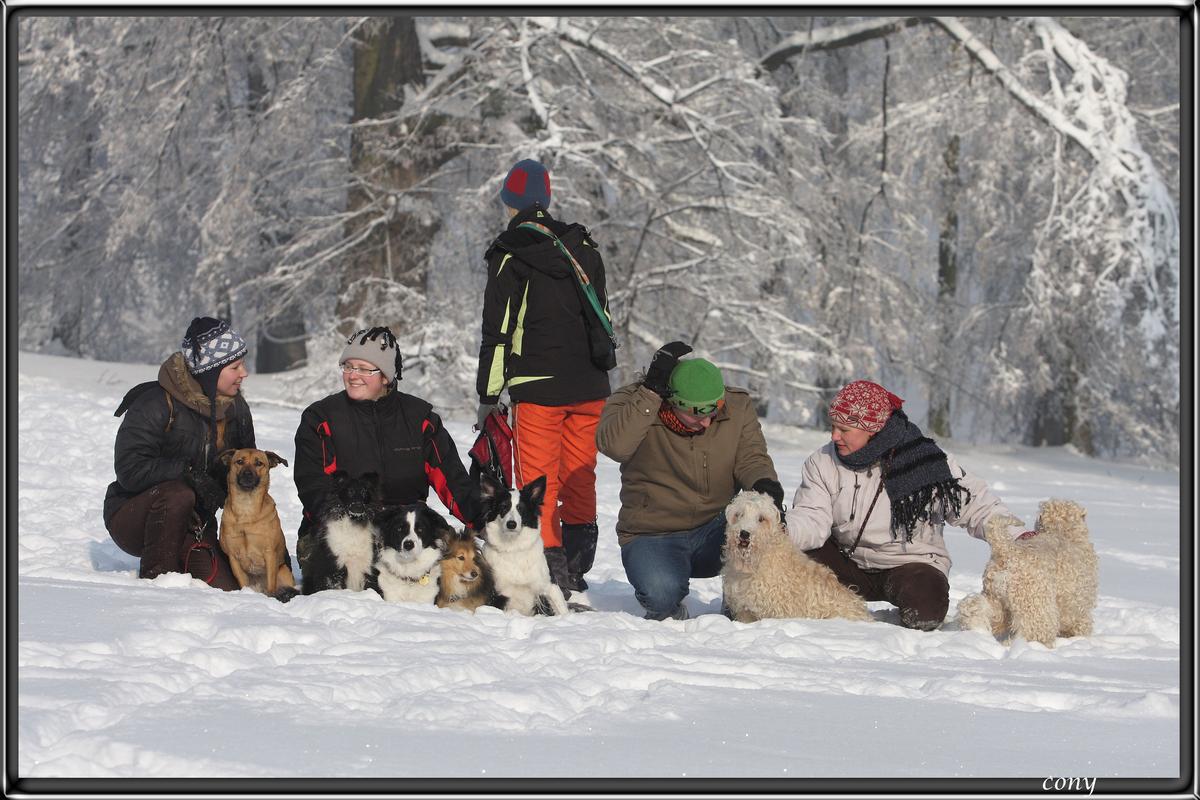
(872, 503)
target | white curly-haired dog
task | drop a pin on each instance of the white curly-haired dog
(1041, 587)
(766, 576)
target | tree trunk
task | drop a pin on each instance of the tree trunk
(940, 385)
(282, 339)
(396, 247)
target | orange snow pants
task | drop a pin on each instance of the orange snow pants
(560, 443)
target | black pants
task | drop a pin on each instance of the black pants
(920, 591)
(156, 526)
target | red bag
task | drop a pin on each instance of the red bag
(493, 450)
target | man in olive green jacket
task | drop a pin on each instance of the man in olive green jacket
(686, 445)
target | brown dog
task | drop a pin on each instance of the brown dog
(250, 531)
(465, 582)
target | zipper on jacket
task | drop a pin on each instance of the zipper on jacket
(378, 441)
(854, 498)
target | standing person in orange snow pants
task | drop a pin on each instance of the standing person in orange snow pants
(560, 443)
(547, 340)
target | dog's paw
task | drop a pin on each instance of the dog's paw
(285, 593)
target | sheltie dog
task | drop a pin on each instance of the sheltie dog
(466, 581)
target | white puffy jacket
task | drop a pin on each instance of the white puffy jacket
(833, 499)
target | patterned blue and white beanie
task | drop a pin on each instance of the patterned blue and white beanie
(210, 344)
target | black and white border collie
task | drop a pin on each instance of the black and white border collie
(414, 540)
(514, 546)
(347, 544)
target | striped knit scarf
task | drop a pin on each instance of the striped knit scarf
(915, 475)
(666, 415)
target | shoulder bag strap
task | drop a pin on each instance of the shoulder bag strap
(846, 552)
(580, 276)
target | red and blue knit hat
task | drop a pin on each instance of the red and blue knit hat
(528, 182)
(863, 405)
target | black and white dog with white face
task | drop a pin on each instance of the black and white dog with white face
(414, 539)
(347, 537)
(514, 552)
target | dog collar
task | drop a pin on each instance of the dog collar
(424, 580)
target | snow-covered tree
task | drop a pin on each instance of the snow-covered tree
(978, 212)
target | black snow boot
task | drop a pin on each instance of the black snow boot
(911, 618)
(556, 560)
(579, 542)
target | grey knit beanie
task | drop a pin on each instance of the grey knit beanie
(376, 346)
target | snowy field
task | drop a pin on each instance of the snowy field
(120, 677)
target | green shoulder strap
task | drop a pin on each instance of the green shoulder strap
(580, 276)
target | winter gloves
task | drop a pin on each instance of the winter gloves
(773, 490)
(665, 359)
(482, 413)
(210, 494)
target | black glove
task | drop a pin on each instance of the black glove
(210, 494)
(662, 365)
(773, 490)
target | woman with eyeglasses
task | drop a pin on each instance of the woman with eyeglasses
(370, 426)
(686, 444)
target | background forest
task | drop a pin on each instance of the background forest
(981, 213)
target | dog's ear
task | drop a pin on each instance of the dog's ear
(226, 456)
(371, 478)
(489, 487)
(534, 491)
(274, 459)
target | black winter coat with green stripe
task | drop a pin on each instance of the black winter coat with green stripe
(535, 338)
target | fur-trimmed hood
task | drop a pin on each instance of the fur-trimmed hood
(173, 376)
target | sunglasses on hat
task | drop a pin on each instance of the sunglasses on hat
(706, 410)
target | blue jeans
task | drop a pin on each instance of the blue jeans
(659, 565)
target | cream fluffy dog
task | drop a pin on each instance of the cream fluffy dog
(765, 576)
(1038, 588)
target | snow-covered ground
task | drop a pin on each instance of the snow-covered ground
(124, 677)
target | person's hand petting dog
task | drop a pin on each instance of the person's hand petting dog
(773, 490)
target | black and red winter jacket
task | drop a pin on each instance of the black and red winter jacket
(534, 339)
(398, 436)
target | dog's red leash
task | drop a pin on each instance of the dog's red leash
(198, 543)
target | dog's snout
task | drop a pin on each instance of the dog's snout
(408, 544)
(744, 536)
(511, 524)
(247, 478)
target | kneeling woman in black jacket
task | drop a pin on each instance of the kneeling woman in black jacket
(162, 506)
(372, 427)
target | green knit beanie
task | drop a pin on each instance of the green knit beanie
(696, 386)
